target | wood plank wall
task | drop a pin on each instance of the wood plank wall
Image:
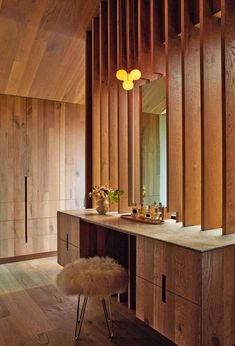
(181, 39)
(44, 141)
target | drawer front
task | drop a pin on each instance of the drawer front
(67, 253)
(145, 301)
(176, 318)
(68, 228)
(180, 266)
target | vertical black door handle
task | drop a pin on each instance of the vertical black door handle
(25, 208)
(164, 288)
(67, 242)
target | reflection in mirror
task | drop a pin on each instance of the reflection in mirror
(154, 169)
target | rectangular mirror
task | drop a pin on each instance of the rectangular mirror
(154, 137)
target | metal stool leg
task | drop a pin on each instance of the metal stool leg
(80, 317)
(108, 315)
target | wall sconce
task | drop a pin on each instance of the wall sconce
(128, 78)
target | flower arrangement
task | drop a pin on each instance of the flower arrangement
(104, 191)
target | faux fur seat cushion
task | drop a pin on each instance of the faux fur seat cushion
(96, 276)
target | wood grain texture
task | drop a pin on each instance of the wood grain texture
(43, 45)
(174, 111)
(190, 44)
(228, 115)
(210, 33)
(218, 297)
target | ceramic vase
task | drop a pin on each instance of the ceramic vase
(102, 206)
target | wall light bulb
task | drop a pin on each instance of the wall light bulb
(134, 74)
(121, 75)
(127, 85)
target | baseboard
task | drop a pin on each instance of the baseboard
(27, 257)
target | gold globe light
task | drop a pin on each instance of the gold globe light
(134, 74)
(127, 85)
(121, 75)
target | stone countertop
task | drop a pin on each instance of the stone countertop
(171, 232)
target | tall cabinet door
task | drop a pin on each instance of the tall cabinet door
(12, 169)
(43, 175)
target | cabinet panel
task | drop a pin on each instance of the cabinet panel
(35, 227)
(145, 304)
(67, 253)
(42, 150)
(13, 148)
(68, 228)
(182, 267)
(34, 245)
(177, 319)
(6, 230)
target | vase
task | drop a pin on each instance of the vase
(102, 206)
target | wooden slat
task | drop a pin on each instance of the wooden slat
(121, 37)
(104, 93)
(88, 142)
(123, 181)
(96, 164)
(191, 117)
(174, 111)
(157, 48)
(132, 33)
(144, 38)
(211, 117)
(228, 114)
(113, 94)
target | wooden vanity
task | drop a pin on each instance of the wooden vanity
(182, 280)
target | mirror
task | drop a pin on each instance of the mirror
(154, 138)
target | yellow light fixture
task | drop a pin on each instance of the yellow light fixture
(135, 75)
(127, 85)
(128, 78)
(121, 75)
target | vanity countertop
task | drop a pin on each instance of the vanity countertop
(189, 237)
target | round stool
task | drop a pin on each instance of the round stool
(95, 276)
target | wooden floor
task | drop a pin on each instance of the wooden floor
(33, 312)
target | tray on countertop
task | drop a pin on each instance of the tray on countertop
(137, 219)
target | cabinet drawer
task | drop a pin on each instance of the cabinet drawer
(68, 228)
(181, 266)
(176, 318)
(145, 301)
(67, 253)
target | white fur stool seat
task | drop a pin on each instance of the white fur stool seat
(95, 276)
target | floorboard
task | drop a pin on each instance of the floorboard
(33, 312)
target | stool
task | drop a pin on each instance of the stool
(95, 276)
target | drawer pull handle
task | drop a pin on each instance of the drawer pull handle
(67, 242)
(164, 288)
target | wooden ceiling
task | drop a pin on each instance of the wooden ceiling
(42, 48)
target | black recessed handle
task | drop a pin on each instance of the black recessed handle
(164, 288)
(67, 242)
(25, 208)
